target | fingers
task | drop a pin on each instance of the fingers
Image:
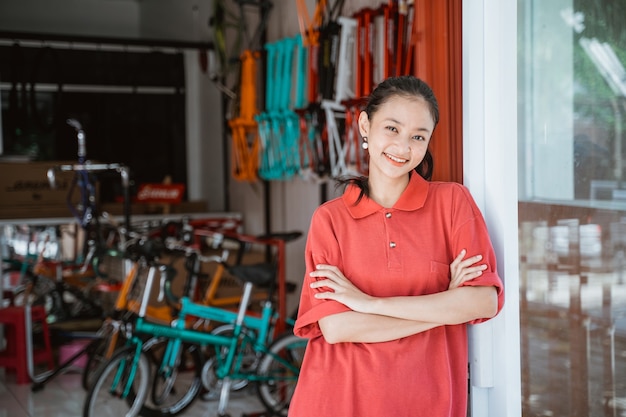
(473, 272)
(327, 283)
(330, 278)
(326, 276)
(463, 263)
(459, 258)
(327, 271)
(322, 268)
(462, 270)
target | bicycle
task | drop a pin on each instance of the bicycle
(115, 328)
(66, 292)
(113, 331)
(123, 383)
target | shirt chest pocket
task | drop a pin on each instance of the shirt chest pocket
(419, 278)
(438, 278)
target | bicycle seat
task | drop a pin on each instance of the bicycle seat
(258, 274)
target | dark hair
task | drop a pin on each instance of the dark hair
(403, 86)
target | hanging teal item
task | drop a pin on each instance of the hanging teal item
(279, 124)
(300, 101)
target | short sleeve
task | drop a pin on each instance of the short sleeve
(321, 248)
(472, 235)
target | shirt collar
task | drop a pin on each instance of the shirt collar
(413, 198)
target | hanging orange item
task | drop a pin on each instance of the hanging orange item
(365, 51)
(309, 28)
(388, 10)
(245, 132)
(412, 37)
(310, 33)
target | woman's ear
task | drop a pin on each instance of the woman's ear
(364, 124)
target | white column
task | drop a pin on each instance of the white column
(490, 172)
(205, 143)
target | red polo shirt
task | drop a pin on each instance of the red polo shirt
(405, 250)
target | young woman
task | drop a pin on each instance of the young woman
(396, 269)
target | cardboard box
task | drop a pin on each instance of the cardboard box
(25, 190)
(25, 184)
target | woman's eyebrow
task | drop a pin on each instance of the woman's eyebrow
(392, 120)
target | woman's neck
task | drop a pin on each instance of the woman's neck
(387, 191)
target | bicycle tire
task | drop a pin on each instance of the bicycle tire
(173, 395)
(101, 353)
(212, 385)
(277, 387)
(104, 400)
(94, 359)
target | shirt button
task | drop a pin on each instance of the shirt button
(388, 215)
(392, 244)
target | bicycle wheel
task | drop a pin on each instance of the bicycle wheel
(112, 339)
(106, 395)
(249, 362)
(280, 368)
(175, 390)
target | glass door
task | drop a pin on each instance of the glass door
(572, 206)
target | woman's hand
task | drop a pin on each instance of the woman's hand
(339, 288)
(462, 270)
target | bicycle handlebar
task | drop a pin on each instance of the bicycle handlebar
(90, 167)
(80, 135)
(84, 169)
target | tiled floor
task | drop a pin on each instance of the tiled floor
(63, 396)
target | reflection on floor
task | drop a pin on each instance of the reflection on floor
(63, 396)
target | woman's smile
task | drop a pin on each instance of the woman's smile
(400, 161)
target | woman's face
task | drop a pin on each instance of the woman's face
(398, 135)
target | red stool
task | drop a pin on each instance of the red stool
(14, 357)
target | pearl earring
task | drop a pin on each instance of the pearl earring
(365, 145)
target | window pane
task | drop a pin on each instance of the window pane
(572, 206)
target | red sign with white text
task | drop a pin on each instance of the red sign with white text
(160, 193)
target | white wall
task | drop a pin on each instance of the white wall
(184, 20)
(178, 20)
(77, 17)
(205, 144)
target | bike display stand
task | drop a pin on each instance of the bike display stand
(269, 241)
(20, 354)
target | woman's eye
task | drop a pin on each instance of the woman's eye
(392, 128)
(418, 137)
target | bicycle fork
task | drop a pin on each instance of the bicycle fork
(125, 374)
(226, 381)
